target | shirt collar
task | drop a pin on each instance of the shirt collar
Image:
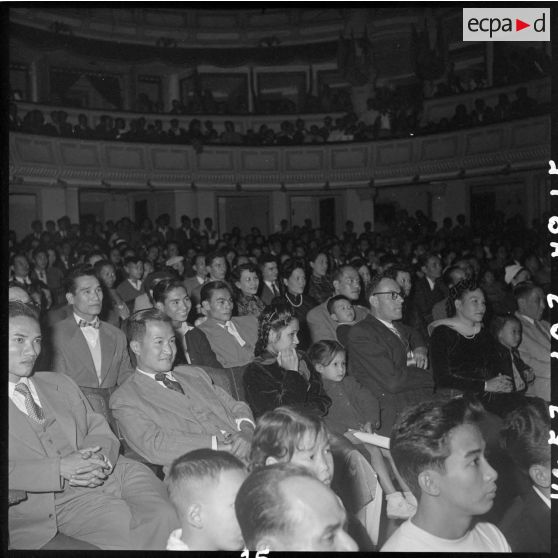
(431, 283)
(12, 385)
(530, 320)
(78, 319)
(542, 496)
(152, 376)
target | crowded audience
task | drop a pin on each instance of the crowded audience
(239, 369)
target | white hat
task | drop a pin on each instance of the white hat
(511, 271)
(174, 261)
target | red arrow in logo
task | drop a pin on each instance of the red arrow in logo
(519, 25)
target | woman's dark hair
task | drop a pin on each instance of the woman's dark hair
(290, 265)
(275, 317)
(279, 433)
(525, 434)
(236, 273)
(457, 292)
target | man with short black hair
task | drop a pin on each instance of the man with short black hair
(79, 491)
(92, 352)
(216, 270)
(132, 286)
(382, 355)
(203, 485)
(270, 288)
(164, 412)
(283, 507)
(439, 451)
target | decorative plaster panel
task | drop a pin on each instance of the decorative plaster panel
(264, 160)
(439, 147)
(31, 149)
(79, 154)
(215, 160)
(393, 153)
(530, 133)
(170, 159)
(124, 157)
(304, 160)
(351, 157)
(483, 141)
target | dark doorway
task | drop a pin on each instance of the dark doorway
(140, 209)
(483, 207)
(327, 215)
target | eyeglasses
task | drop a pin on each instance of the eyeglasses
(394, 294)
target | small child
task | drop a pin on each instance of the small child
(354, 407)
(341, 310)
(506, 331)
(202, 486)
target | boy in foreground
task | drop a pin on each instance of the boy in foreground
(439, 451)
(202, 486)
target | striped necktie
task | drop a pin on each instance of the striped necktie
(33, 410)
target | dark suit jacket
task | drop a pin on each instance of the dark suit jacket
(161, 424)
(32, 523)
(128, 293)
(424, 300)
(267, 295)
(378, 360)
(526, 524)
(73, 357)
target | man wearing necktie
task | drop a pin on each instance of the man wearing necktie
(92, 352)
(534, 348)
(232, 339)
(132, 286)
(163, 412)
(269, 288)
(80, 494)
(379, 346)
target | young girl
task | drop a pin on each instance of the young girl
(506, 331)
(287, 436)
(279, 374)
(354, 407)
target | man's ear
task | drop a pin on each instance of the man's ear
(160, 306)
(373, 301)
(286, 282)
(268, 543)
(70, 298)
(205, 305)
(540, 475)
(194, 516)
(135, 346)
(335, 285)
(428, 482)
(333, 317)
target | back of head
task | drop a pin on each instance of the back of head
(525, 434)
(190, 471)
(261, 507)
(279, 432)
(420, 439)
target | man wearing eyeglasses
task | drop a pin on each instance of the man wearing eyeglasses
(381, 355)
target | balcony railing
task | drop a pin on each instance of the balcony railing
(514, 145)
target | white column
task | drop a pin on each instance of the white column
(173, 90)
(34, 82)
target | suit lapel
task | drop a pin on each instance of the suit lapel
(162, 397)
(108, 350)
(79, 348)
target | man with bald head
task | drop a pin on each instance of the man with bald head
(382, 357)
(284, 507)
(346, 282)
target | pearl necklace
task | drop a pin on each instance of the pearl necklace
(291, 302)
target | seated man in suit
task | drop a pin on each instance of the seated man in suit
(346, 282)
(80, 493)
(232, 339)
(534, 348)
(163, 413)
(270, 287)
(381, 355)
(92, 352)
